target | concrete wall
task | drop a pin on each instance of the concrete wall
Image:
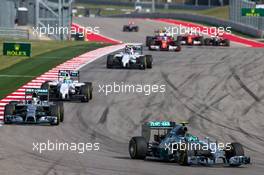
(243, 28)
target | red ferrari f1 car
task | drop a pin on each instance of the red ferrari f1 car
(191, 39)
(162, 42)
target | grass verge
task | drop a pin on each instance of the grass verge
(23, 71)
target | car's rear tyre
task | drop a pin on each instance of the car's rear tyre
(61, 111)
(227, 42)
(207, 41)
(45, 85)
(138, 147)
(14, 102)
(201, 39)
(55, 111)
(149, 61)
(143, 62)
(9, 110)
(124, 28)
(178, 49)
(136, 29)
(86, 92)
(110, 61)
(179, 39)
(90, 84)
(149, 40)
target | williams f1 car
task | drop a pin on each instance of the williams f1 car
(131, 57)
(35, 109)
(68, 87)
(168, 141)
(131, 27)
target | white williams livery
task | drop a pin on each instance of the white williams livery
(68, 87)
(131, 57)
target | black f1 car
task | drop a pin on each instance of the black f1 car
(168, 141)
(131, 27)
(132, 57)
(35, 109)
(217, 41)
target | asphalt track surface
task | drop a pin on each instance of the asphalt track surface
(218, 90)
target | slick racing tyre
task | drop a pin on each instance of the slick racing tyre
(183, 157)
(90, 85)
(149, 40)
(143, 62)
(86, 92)
(236, 150)
(9, 110)
(179, 39)
(55, 111)
(125, 28)
(138, 148)
(178, 49)
(207, 41)
(226, 42)
(149, 61)
(45, 85)
(201, 39)
(110, 61)
(61, 111)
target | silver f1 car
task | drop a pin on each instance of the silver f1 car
(131, 57)
(37, 110)
(168, 141)
(68, 87)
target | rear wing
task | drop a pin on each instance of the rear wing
(68, 74)
(137, 47)
(42, 94)
(156, 125)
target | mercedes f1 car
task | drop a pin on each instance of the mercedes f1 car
(217, 40)
(68, 87)
(131, 57)
(168, 141)
(35, 109)
(191, 39)
(131, 27)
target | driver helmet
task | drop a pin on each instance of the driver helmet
(129, 50)
(34, 99)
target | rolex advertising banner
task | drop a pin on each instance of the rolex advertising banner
(17, 49)
(252, 12)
